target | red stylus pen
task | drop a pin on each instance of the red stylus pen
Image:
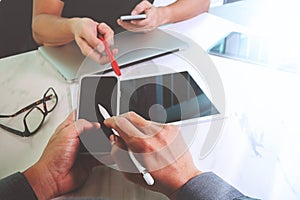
(111, 57)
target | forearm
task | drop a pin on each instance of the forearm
(52, 30)
(182, 10)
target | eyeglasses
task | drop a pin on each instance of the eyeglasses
(35, 117)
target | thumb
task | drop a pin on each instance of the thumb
(118, 142)
(81, 125)
(141, 7)
(120, 155)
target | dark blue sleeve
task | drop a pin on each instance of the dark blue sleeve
(15, 187)
(209, 186)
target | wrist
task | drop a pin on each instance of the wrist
(164, 15)
(72, 23)
(41, 182)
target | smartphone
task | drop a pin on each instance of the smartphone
(94, 90)
(133, 17)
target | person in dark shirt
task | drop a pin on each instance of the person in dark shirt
(57, 22)
(160, 147)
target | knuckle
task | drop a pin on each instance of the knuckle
(145, 3)
(146, 146)
(84, 51)
(102, 24)
(171, 128)
(131, 115)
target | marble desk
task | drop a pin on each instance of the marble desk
(24, 79)
(258, 149)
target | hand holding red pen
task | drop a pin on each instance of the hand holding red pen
(111, 57)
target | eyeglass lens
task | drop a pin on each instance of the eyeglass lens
(34, 119)
(51, 103)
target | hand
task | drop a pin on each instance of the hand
(60, 169)
(86, 31)
(159, 147)
(152, 21)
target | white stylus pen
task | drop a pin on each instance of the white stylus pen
(146, 175)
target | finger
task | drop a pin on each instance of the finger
(88, 43)
(136, 119)
(140, 23)
(124, 162)
(124, 127)
(129, 26)
(146, 127)
(94, 54)
(86, 49)
(145, 22)
(115, 52)
(82, 125)
(74, 129)
(91, 36)
(98, 57)
(116, 140)
(141, 7)
(107, 32)
(129, 134)
(101, 59)
(136, 125)
(121, 157)
(70, 119)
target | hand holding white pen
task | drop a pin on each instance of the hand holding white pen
(161, 147)
(146, 175)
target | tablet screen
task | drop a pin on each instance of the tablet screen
(244, 47)
(165, 98)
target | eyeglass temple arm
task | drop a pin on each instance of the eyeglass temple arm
(12, 130)
(47, 98)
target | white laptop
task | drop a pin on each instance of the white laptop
(132, 48)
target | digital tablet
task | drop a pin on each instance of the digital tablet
(164, 98)
(243, 47)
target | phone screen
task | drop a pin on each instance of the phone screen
(96, 90)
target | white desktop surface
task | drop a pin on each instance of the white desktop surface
(257, 152)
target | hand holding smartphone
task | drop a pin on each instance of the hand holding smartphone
(133, 17)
